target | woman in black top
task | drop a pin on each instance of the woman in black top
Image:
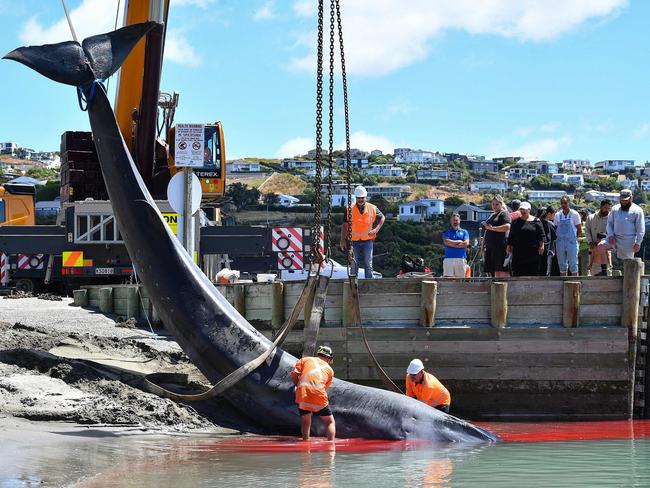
(550, 236)
(494, 241)
(526, 242)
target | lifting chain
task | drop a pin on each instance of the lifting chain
(315, 254)
(330, 158)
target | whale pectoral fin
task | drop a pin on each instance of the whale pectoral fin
(97, 58)
(64, 62)
(106, 52)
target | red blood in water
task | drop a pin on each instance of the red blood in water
(292, 444)
(570, 431)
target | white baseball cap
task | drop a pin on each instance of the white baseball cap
(415, 367)
(524, 205)
(360, 192)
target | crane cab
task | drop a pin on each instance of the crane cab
(213, 172)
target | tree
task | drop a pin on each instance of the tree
(242, 196)
(43, 174)
(384, 205)
(270, 198)
(453, 201)
(50, 191)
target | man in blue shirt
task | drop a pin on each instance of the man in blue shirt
(456, 241)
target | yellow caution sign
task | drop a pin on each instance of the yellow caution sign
(172, 221)
(73, 259)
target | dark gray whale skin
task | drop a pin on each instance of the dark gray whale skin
(210, 331)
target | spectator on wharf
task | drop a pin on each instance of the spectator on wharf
(494, 241)
(569, 229)
(595, 232)
(526, 243)
(456, 241)
(625, 227)
(546, 260)
(515, 214)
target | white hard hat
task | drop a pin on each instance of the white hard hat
(360, 192)
(415, 367)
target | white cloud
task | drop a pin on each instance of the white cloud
(179, 50)
(265, 12)
(295, 147)
(358, 140)
(540, 148)
(642, 131)
(93, 17)
(382, 36)
(368, 142)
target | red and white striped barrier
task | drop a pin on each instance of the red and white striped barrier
(4, 269)
(31, 261)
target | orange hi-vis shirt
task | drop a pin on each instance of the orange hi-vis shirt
(362, 222)
(312, 377)
(430, 391)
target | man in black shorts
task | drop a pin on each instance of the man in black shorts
(312, 377)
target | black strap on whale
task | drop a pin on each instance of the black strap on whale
(150, 381)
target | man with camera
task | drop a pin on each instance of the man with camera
(596, 231)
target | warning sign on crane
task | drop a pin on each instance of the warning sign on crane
(188, 145)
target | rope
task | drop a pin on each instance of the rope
(81, 96)
(244, 370)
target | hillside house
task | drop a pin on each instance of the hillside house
(420, 210)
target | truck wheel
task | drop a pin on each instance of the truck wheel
(25, 285)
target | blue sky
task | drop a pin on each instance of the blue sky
(553, 79)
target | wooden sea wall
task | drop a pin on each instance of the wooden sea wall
(532, 367)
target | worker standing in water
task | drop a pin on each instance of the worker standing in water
(364, 231)
(425, 387)
(312, 377)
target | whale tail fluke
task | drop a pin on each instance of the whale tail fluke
(96, 58)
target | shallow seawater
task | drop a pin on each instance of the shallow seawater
(532, 455)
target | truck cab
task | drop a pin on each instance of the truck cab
(17, 204)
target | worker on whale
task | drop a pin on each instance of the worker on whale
(312, 377)
(425, 387)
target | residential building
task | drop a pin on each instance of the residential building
(484, 166)
(472, 213)
(577, 165)
(629, 184)
(8, 148)
(559, 177)
(421, 210)
(324, 172)
(243, 167)
(521, 173)
(456, 157)
(645, 185)
(612, 165)
(385, 170)
(537, 195)
(376, 152)
(488, 186)
(355, 162)
(644, 170)
(297, 164)
(286, 200)
(575, 180)
(338, 186)
(390, 192)
(597, 196)
(432, 174)
(340, 199)
(418, 156)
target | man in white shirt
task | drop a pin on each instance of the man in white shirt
(625, 227)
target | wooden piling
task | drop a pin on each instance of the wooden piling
(429, 292)
(80, 298)
(240, 299)
(499, 304)
(106, 300)
(571, 304)
(347, 307)
(277, 304)
(132, 303)
(632, 271)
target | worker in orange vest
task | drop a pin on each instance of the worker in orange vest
(364, 231)
(425, 387)
(312, 377)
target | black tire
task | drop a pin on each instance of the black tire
(26, 285)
